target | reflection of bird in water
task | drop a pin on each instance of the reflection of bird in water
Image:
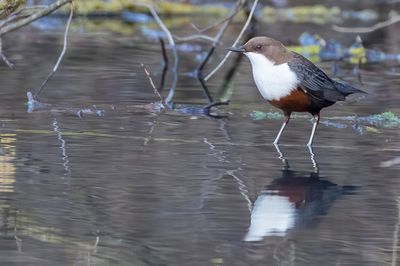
(291, 201)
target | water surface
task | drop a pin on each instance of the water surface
(136, 187)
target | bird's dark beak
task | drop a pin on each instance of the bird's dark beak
(239, 49)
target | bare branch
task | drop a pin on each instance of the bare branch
(165, 64)
(171, 43)
(159, 22)
(163, 52)
(374, 27)
(253, 8)
(62, 52)
(3, 57)
(205, 60)
(221, 32)
(19, 14)
(23, 22)
(151, 82)
(195, 37)
(225, 22)
(229, 17)
(217, 38)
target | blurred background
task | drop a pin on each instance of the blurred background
(101, 167)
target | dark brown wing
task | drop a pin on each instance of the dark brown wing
(313, 80)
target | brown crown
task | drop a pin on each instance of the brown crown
(272, 49)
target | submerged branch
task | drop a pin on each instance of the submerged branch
(23, 22)
(61, 54)
(249, 18)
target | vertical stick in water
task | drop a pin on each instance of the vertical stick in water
(61, 54)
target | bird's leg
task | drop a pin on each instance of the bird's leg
(315, 124)
(287, 118)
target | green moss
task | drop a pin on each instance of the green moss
(390, 116)
(101, 6)
(186, 9)
(317, 14)
(258, 115)
(9, 6)
(372, 130)
(163, 7)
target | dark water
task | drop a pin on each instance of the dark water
(134, 187)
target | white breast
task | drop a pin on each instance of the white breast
(273, 81)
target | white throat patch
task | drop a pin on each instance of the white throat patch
(273, 81)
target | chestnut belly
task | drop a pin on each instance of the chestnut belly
(296, 101)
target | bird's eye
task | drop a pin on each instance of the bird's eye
(258, 47)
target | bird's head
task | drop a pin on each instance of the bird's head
(270, 48)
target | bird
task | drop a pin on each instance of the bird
(291, 82)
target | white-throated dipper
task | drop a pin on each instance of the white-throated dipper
(290, 82)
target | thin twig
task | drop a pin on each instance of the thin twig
(164, 52)
(205, 60)
(372, 28)
(151, 82)
(23, 22)
(225, 22)
(225, 91)
(61, 54)
(173, 47)
(3, 57)
(195, 37)
(205, 88)
(199, 72)
(357, 70)
(217, 38)
(253, 8)
(165, 65)
(229, 17)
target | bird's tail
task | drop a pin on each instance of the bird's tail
(346, 89)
